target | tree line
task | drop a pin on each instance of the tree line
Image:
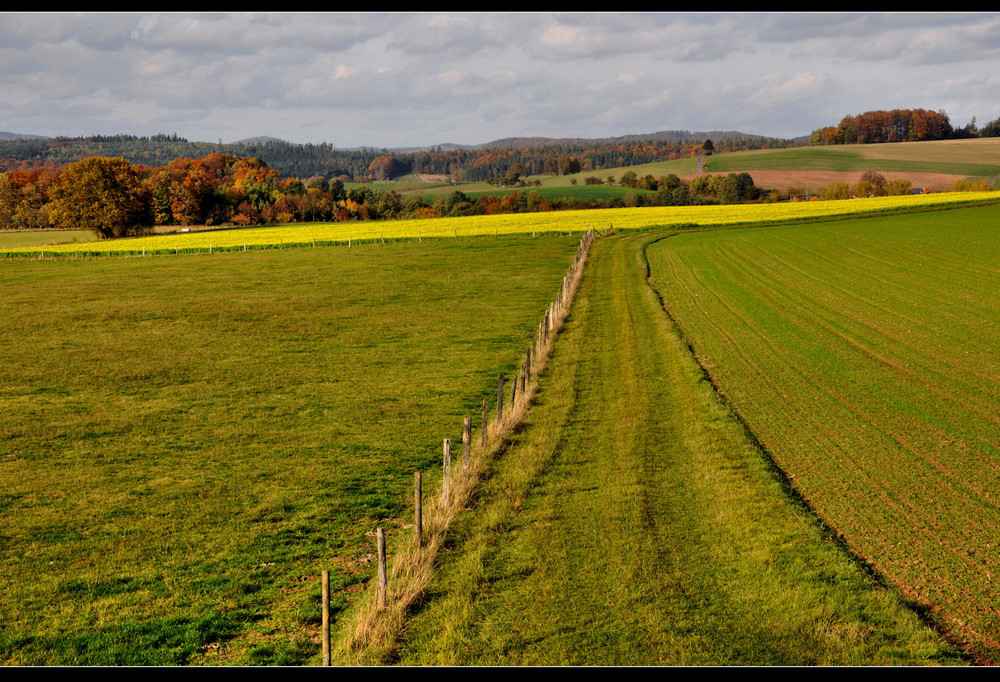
(898, 125)
(552, 157)
(114, 198)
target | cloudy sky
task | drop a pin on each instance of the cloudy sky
(398, 79)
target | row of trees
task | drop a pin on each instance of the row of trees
(898, 125)
(874, 184)
(870, 184)
(114, 198)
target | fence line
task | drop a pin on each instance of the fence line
(377, 621)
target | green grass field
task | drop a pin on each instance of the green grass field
(188, 440)
(864, 356)
(14, 239)
(633, 522)
(977, 158)
(186, 444)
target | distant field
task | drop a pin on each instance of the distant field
(865, 356)
(187, 441)
(21, 238)
(577, 221)
(562, 191)
(927, 164)
(848, 159)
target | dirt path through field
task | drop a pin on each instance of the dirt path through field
(631, 522)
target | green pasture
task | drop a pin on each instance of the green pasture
(981, 160)
(864, 356)
(187, 442)
(633, 521)
(14, 239)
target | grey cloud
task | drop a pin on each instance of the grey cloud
(398, 78)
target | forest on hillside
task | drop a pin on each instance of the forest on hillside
(303, 161)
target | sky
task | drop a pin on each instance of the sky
(416, 79)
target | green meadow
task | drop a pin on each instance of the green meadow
(188, 441)
(634, 521)
(770, 445)
(978, 159)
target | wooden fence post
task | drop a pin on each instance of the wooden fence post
(447, 471)
(326, 618)
(500, 397)
(383, 574)
(466, 442)
(485, 417)
(418, 510)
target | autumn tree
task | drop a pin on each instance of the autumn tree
(24, 198)
(871, 184)
(385, 167)
(104, 195)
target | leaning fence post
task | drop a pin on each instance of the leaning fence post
(326, 618)
(466, 442)
(383, 579)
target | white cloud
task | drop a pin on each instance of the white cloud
(385, 79)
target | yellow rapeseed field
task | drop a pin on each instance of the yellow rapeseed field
(516, 223)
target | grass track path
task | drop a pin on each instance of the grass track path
(630, 522)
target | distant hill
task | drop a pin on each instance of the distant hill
(260, 139)
(681, 136)
(482, 162)
(19, 136)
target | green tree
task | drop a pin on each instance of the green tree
(104, 195)
(736, 188)
(669, 181)
(836, 190)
